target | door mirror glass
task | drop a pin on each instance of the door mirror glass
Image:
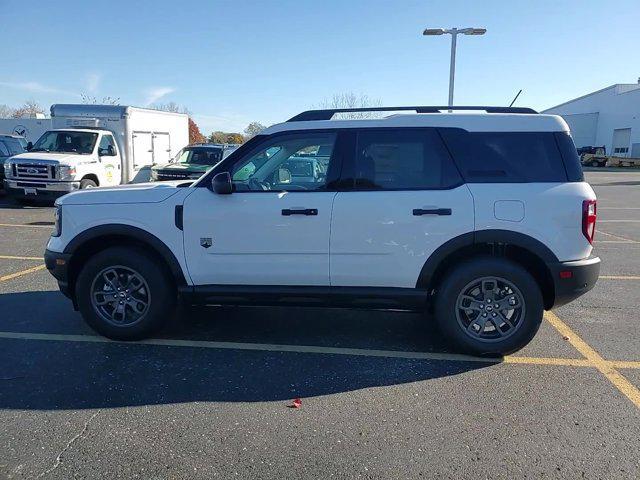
(29, 146)
(221, 183)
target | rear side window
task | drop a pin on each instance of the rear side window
(570, 157)
(403, 159)
(506, 157)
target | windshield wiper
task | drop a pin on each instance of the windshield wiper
(39, 150)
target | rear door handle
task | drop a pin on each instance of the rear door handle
(299, 211)
(431, 211)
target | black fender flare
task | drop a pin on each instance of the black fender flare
(492, 237)
(129, 231)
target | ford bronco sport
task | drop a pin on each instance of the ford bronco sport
(480, 216)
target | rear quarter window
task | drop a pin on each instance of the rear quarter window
(570, 157)
(506, 157)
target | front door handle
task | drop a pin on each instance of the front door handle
(299, 211)
(431, 211)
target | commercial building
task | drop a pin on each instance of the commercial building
(609, 117)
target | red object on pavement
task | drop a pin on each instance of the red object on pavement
(297, 403)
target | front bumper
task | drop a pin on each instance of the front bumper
(25, 188)
(573, 279)
(58, 266)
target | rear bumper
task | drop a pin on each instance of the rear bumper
(573, 279)
(58, 266)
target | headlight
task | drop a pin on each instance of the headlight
(7, 169)
(66, 172)
(57, 225)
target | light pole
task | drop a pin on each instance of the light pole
(454, 35)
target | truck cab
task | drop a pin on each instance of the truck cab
(63, 161)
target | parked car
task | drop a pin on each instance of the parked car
(192, 161)
(95, 146)
(482, 219)
(10, 145)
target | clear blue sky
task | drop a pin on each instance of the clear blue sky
(234, 62)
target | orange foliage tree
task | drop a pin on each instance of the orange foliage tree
(195, 135)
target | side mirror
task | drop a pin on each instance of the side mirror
(111, 151)
(221, 183)
(29, 146)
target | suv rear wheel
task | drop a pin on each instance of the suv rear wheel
(124, 294)
(489, 306)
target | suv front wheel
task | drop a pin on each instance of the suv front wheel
(489, 306)
(125, 294)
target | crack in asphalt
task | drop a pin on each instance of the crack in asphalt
(68, 445)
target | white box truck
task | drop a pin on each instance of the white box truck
(95, 146)
(29, 128)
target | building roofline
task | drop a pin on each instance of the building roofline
(588, 95)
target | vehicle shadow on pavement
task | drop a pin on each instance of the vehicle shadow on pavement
(63, 375)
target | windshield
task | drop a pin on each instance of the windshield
(67, 142)
(200, 156)
(10, 146)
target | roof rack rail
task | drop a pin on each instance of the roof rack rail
(327, 114)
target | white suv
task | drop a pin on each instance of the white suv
(481, 218)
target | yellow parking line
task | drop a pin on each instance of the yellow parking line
(625, 242)
(630, 240)
(603, 366)
(620, 277)
(561, 362)
(21, 273)
(13, 257)
(624, 364)
(25, 226)
(360, 352)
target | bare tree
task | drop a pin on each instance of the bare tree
(90, 99)
(171, 107)
(253, 129)
(6, 111)
(29, 109)
(352, 100)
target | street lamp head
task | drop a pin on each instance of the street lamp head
(433, 31)
(474, 31)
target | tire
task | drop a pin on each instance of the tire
(595, 163)
(156, 289)
(455, 319)
(87, 183)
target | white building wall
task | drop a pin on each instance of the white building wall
(617, 107)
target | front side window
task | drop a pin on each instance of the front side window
(295, 162)
(107, 146)
(403, 160)
(66, 142)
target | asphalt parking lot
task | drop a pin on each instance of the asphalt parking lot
(382, 397)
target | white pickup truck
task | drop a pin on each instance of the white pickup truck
(94, 146)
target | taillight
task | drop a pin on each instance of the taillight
(589, 219)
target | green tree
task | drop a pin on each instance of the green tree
(253, 129)
(218, 137)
